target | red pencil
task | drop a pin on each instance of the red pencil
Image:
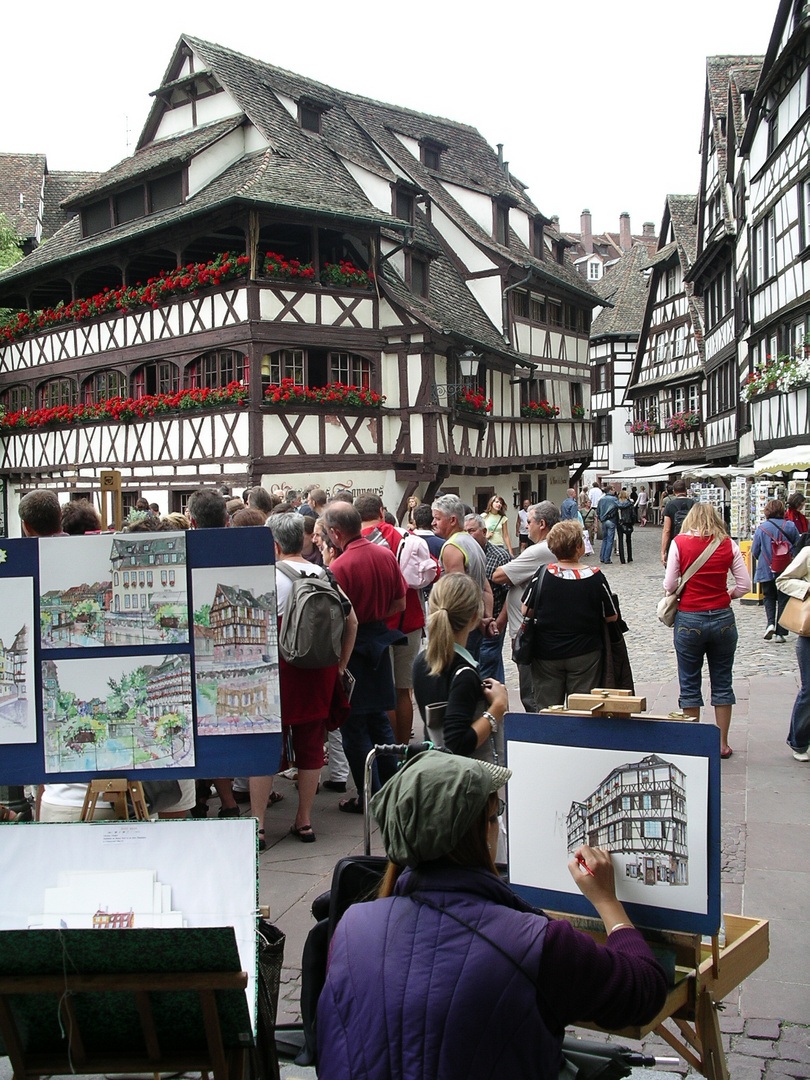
(585, 866)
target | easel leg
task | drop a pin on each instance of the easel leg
(708, 1026)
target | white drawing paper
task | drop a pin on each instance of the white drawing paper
(17, 700)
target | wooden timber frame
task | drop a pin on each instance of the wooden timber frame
(704, 973)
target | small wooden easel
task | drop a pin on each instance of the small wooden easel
(119, 788)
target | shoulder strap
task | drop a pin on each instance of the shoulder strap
(289, 571)
(700, 561)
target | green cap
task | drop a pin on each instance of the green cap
(431, 803)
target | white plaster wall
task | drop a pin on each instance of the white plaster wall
(470, 254)
(414, 378)
(186, 68)
(388, 317)
(411, 145)
(254, 140)
(216, 107)
(289, 104)
(376, 190)
(478, 206)
(214, 160)
(519, 221)
(487, 291)
(759, 151)
(173, 122)
(389, 379)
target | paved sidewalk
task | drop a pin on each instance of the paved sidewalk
(765, 832)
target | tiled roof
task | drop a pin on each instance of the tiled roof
(682, 211)
(58, 187)
(742, 80)
(625, 286)
(719, 71)
(21, 175)
(155, 157)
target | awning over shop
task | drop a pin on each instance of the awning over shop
(650, 473)
(706, 472)
(785, 460)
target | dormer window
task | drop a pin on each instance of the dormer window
(501, 223)
(128, 204)
(310, 115)
(431, 154)
(404, 204)
(538, 243)
(418, 275)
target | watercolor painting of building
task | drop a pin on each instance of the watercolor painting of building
(141, 599)
(17, 698)
(236, 650)
(638, 813)
(128, 713)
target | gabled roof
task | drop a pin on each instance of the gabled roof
(59, 186)
(242, 598)
(681, 211)
(625, 286)
(156, 157)
(21, 179)
(742, 80)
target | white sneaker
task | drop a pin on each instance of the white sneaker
(779, 639)
(770, 632)
(802, 755)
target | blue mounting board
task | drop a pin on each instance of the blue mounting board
(214, 755)
(535, 857)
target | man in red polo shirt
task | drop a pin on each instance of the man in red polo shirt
(411, 621)
(370, 576)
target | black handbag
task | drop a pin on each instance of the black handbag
(524, 647)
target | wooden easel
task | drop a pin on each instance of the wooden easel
(119, 788)
(705, 974)
(210, 1005)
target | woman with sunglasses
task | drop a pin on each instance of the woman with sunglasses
(449, 973)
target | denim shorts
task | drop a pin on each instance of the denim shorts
(709, 634)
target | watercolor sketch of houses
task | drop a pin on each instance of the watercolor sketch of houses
(131, 712)
(17, 703)
(113, 590)
(638, 813)
(236, 650)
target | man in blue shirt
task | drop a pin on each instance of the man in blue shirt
(568, 507)
(608, 511)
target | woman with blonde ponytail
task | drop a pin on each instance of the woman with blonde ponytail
(460, 711)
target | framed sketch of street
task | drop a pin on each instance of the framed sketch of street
(646, 791)
(101, 672)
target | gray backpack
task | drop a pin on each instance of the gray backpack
(311, 632)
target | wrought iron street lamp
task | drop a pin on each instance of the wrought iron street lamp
(468, 362)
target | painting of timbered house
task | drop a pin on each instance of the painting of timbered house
(730, 84)
(775, 356)
(666, 385)
(614, 341)
(241, 624)
(638, 812)
(286, 281)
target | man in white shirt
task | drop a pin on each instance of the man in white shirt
(518, 573)
(592, 517)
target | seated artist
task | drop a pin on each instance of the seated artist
(451, 974)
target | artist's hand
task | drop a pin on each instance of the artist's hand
(598, 885)
(497, 696)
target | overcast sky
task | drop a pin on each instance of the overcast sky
(598, 102)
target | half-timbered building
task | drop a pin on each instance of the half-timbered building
(31, 196)
(666, 384)
(730, 84)
(615, 334)
(369, 299)
(775, 369)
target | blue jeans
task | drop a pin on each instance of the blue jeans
(799, 734)
(474, 639)
(608, 534)
(490, 658)
(360, 732)
(775, 602)
(709, 634)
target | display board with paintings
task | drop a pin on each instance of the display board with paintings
(137, 653)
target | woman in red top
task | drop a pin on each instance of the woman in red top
(704, 623)
(795, 513)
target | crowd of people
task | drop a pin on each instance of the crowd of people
(429, 605)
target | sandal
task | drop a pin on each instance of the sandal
(351, 806)
(304, 834)
(229, 811)
(726, 754)
(262, 841)
(275, 797)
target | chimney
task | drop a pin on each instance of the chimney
(555, 222)
(586, 238)
(648, 229)
(625, 239)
